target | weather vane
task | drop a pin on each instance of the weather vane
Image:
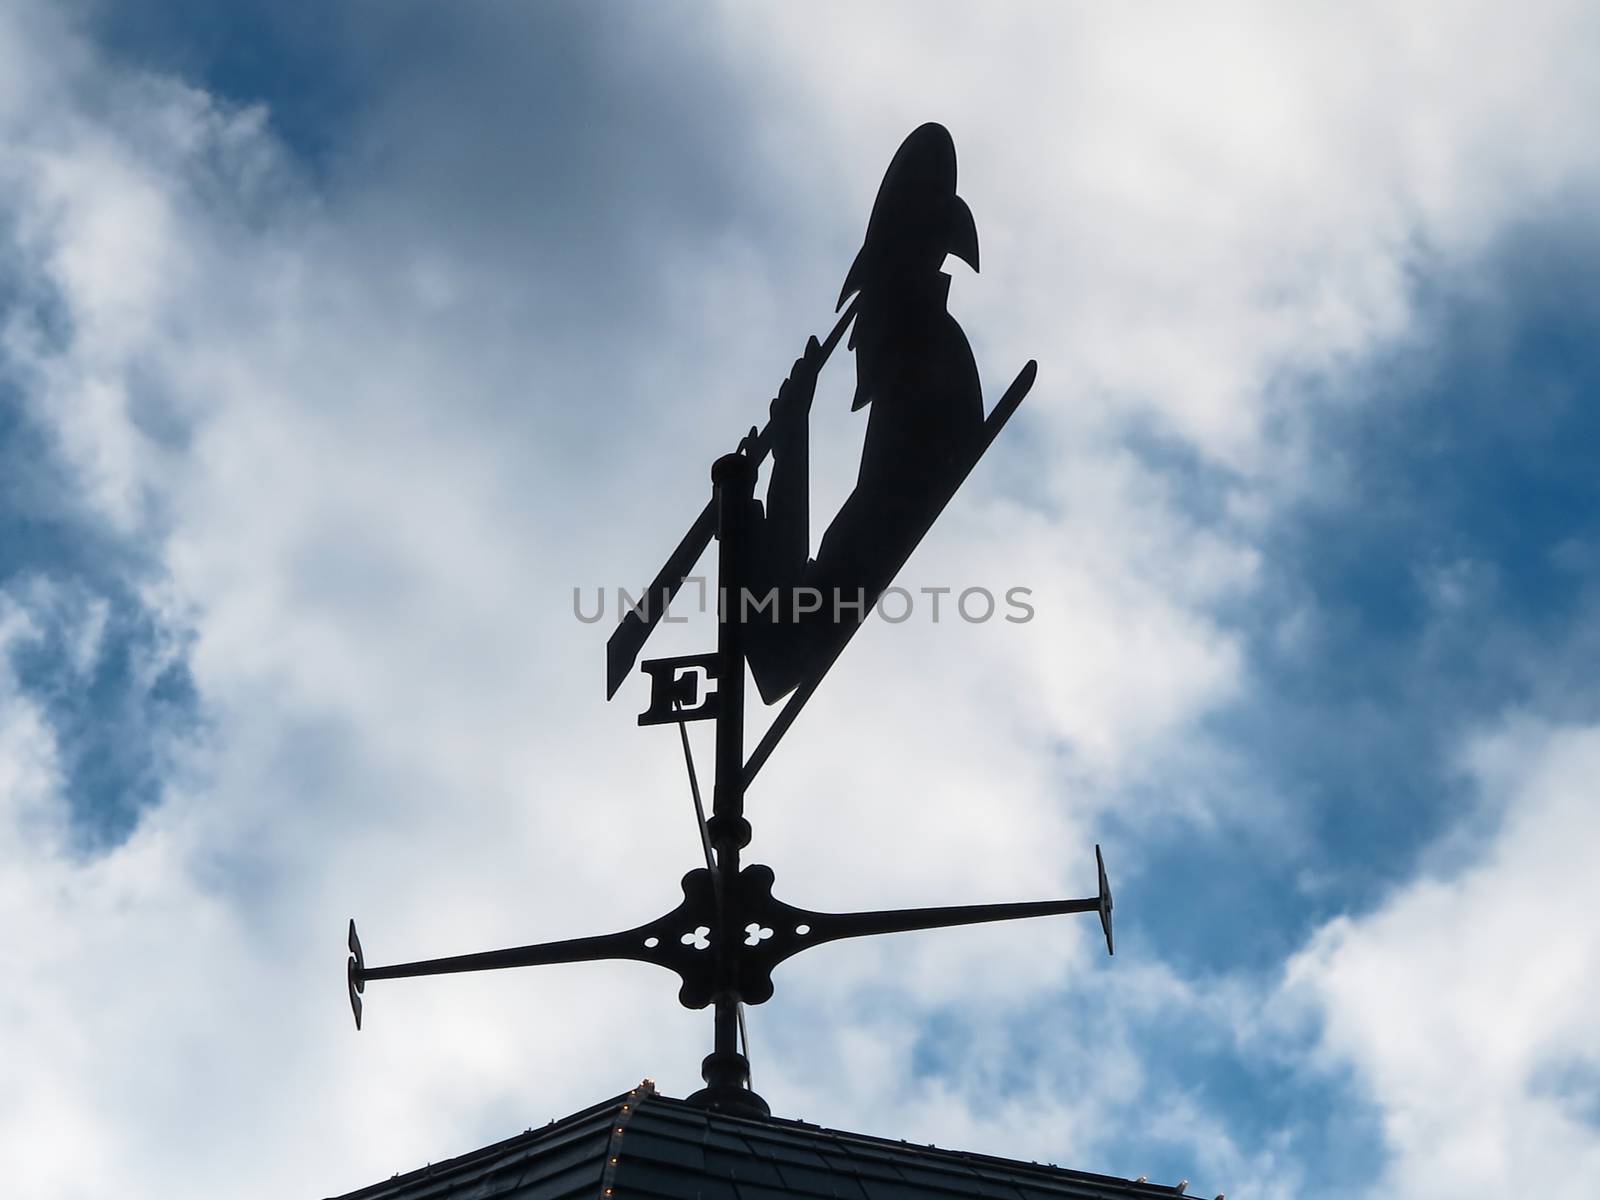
(787, 616)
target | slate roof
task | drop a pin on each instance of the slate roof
(647, 1146)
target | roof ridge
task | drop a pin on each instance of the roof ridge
(608, 1173)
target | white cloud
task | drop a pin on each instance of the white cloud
(1465, 1001)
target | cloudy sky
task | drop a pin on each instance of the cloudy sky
(340, 343)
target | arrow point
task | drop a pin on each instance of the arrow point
(354, 974)
(1105, 899)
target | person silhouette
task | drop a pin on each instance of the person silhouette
(916, 371)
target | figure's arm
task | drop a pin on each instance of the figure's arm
(788, 529)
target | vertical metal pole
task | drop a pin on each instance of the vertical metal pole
(725, 1070)
(733, 478)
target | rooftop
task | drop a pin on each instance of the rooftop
(642, 1144)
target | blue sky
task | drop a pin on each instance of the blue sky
(335, 352)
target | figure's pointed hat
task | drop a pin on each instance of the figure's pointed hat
(917, 218)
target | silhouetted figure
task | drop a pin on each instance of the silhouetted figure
(916, 371)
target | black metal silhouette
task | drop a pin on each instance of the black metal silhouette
(925, 433)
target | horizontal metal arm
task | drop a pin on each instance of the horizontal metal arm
(687, 940)
(775, 931)
(587, 949)
(679, 941)
(828, 927)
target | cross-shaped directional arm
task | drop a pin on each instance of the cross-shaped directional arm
(683, 940)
